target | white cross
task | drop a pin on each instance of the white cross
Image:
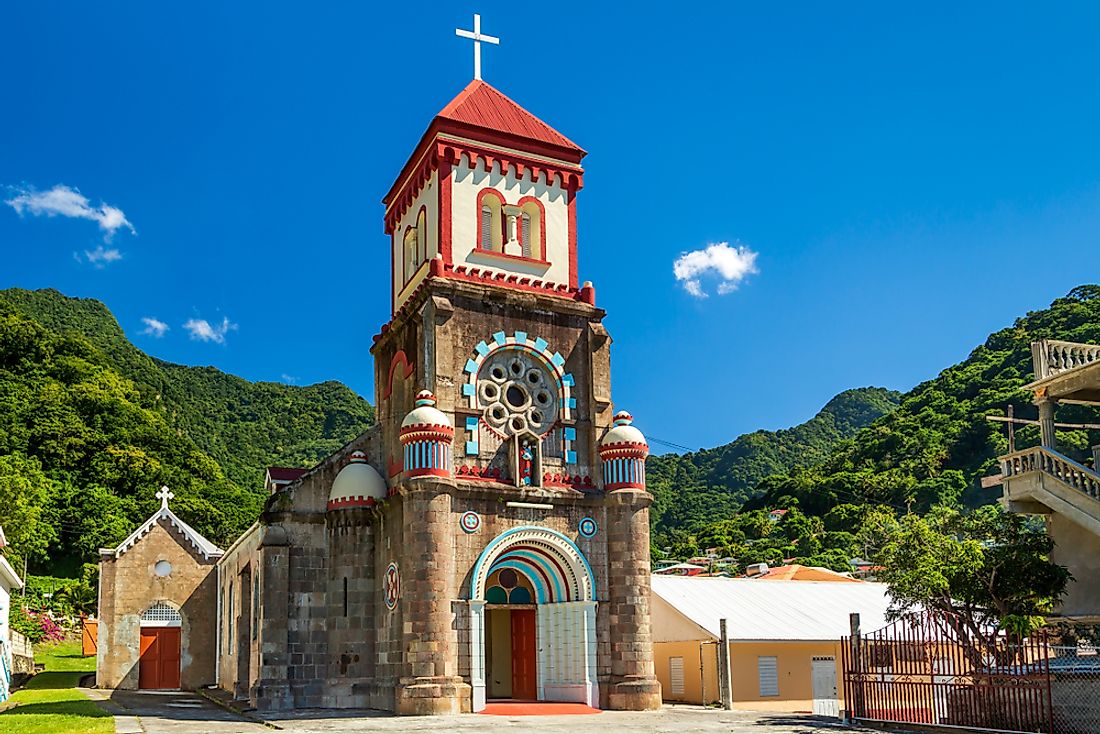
(164, 494)
(477, 37)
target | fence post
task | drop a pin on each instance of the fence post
(855, 706)
(725, 687)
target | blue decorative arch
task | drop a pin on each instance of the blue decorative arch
(556, 567)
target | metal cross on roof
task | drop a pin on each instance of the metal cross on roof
(164, 494)
(478, 37)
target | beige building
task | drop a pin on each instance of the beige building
(156, 606)
(1043, 481)
(784, 639)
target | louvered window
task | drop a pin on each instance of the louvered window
(768, 672)
(676, 675)
(525, 234)
(486, 228)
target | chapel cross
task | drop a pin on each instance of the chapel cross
(164, 494)
(477, 37)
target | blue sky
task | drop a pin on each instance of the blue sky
(910, 178)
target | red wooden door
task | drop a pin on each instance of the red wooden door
(159, 664)
(524, 652)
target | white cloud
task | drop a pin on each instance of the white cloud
(100, 257)
(202, 330)
(154, 327)
(730, 264)
(65, 201)
(289, 379)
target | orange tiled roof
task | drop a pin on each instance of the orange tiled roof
(798, 572)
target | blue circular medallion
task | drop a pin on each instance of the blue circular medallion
(470, 521)
(587, 527)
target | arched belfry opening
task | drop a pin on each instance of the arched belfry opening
(533, 620)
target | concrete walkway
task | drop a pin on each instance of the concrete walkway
(154, 712)
(171, 712)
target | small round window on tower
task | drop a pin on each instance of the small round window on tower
(162, 569)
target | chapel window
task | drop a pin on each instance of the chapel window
(490, 225)
(530, 235)
(410, 253)
(421, 237)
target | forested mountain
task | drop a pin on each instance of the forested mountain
(90, 426)
(932, 450)
(712, 484)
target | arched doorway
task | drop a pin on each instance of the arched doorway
(159, 658)
(533, 620)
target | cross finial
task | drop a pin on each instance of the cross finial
(478, 37)
(164, 494)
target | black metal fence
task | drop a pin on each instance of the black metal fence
(933, 669)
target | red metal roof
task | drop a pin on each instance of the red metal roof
(284, 473)
(481, 105)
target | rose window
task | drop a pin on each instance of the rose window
(517, 393)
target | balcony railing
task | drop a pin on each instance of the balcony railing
(1052, 357)
(1050, 462)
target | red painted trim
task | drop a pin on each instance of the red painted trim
(400, 358)
(394, 469)
(447, 153)
(346, 503)
(623, 485)
(506, 257)
(542, 226)
(427, 432)
(477, 213)
(427, 473)
(444, 209)
(572, 224)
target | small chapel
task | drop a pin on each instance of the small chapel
(488, 538)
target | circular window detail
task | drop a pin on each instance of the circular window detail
(470, 521)
(391, 586)
(518, 393)
(162, 569)
(587, 527)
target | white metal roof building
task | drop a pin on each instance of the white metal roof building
(764, 610)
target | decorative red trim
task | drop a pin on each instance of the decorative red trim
(426, 432)
(427, 473)
(399, 358)
(477, 213)
(446, 153)
(444, 209)
(622, 485)
(346, 503)
(572, 224)
(506, 257)
(394, 469)
(481, 473)
(566, 481)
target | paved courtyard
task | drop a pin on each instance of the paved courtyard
(184, 713)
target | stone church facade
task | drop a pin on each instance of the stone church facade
(488, 538)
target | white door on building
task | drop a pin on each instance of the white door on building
(824, 686)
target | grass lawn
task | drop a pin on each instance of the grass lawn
(50, 703)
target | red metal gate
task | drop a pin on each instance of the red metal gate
(934, 669)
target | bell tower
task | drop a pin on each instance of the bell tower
(493, 395)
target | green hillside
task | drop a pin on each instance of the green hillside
(711, 484)
(90, 426)
(932, 450)
(937, 445)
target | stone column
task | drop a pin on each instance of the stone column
(1046, 423)
(272, 692)
(430, 683)
(633, 685)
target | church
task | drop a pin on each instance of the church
(488, 538)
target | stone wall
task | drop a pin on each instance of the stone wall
(129, 585)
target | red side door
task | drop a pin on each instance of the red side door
(159, 662)
(524, 652)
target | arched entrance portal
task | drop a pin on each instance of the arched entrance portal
(159, 653)
(533, 620)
